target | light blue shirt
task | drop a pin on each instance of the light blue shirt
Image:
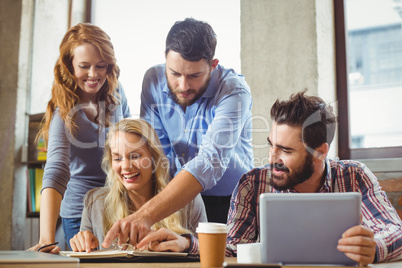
(212, 138)
(73, 165)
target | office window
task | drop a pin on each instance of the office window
(369, 70)
(138, 31)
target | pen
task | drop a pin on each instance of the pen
(45, 246)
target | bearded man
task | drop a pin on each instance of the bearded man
(302, 130)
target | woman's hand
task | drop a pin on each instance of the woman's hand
(358, 244)
(84, 241)
(164, 240)
(130, 229)
(54, 249)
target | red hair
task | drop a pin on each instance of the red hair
(65, 90)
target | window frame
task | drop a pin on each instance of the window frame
(342, 87)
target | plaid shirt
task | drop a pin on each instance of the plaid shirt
(342, 176)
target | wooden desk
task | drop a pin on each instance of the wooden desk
(169, 264)
(197, 264)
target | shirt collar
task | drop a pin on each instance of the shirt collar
(326, 187)
(211, 90)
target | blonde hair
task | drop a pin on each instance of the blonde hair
(65, 89)
(117, 203)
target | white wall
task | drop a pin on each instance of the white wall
(50, 25)
(287, 46)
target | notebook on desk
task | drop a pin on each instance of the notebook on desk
(305, 228)
(109, 255)
(22, 258)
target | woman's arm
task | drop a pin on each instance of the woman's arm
(49, 213)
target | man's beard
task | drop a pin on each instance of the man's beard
(292, 179)
(185, 103)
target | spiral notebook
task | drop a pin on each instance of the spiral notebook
(118, 255)
(111, 253)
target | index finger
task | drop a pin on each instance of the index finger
(111, 235)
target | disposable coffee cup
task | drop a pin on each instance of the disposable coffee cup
(212, 243)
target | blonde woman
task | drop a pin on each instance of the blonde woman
(137, 170)
(86, 98)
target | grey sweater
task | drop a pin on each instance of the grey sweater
(74, 163)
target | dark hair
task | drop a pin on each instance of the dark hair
(309, 112)
(193, 39)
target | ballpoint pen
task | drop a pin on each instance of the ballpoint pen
(45, 246)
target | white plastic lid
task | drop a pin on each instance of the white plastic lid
(211, 228)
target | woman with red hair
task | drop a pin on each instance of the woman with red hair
(86, 99)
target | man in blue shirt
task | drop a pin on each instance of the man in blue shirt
(202, 114)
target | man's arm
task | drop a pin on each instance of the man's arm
(218, 147)
(180, 191)
(381, 217)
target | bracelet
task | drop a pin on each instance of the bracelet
(190, 247)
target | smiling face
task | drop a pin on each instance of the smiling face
(290, 163)
(187, 80)
(89, 69)
(132, 162)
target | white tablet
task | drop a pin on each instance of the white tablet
(301, 228)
